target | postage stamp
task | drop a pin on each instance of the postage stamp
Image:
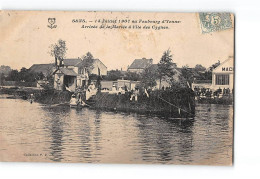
(211, 22)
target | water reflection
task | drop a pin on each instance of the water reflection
(158, 135)
(55, 124)
(70, 135)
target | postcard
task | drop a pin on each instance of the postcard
(117, 87)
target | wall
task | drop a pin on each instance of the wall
(71, 82)
(133, 84)
(107, 84)
(123, 83)
(58, 81)
(98, 64)
(225, 68)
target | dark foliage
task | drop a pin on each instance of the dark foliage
(177, 102)
(58, 51)
(149, 76)
(88, 60)
(113, 75)
(24, 75)
(132, 76)
(187, 74)
(199, 68)
(5, 69)
(166, 66)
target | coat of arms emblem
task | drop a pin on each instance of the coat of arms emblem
(52, 22)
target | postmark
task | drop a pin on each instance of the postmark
(212, 22)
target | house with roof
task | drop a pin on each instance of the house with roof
(83, 68)
(139, 65)
(65, 79)
(74, 73)
(222, 77)
(45, 69)
(70, 62)
(97, 67)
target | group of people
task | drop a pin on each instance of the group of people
(91, 90)
(124, 90)
(76, 99)
(208, 93)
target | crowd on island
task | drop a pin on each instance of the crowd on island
(209, 93)
(79, 96)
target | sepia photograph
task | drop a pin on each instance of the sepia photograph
(117, 87)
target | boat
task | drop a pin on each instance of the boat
(77, 103)
(74, 102)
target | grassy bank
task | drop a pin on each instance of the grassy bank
(39, 95)
(177, 103)
(172, 103)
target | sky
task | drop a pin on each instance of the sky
(26, 38)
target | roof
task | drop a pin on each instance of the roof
(221, 64)
(141, 63)
(71, 62)
(66, 71)
(85, 62)
(44, 68)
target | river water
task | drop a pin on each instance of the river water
(34, 132)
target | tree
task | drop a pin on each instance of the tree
(23, 74)
(208, 73)
(87, 62)
(165, 67)
(58, 51)
(149, 76)
(88, 56)
(132, 76)
(114, 75)
(199, 68)
(5, 69)
(2, 78)
(187, 75)
(13, 76)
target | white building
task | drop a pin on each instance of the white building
(223, 75)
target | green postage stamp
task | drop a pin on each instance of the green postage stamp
(211, 22)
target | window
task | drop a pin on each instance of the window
(222, 79)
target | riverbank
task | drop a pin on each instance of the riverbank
(39, 95)
(226, 100)
(171, 103)
(178, 103)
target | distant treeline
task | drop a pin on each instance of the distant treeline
(188, 74)
(24, 75)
